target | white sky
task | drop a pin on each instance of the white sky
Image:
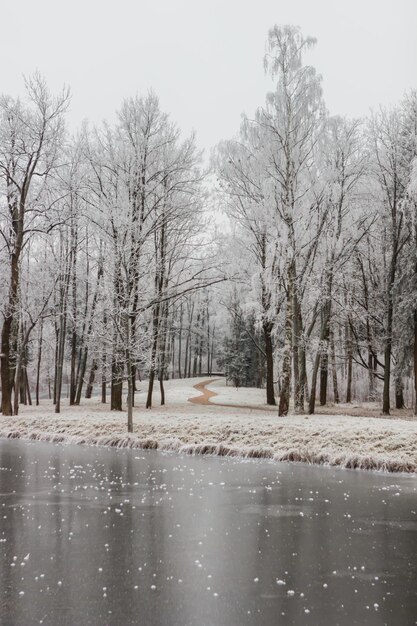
(204, 57)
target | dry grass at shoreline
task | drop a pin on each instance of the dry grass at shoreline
(346, 441)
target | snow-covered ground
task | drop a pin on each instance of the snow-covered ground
(353, 442)
(227, 394)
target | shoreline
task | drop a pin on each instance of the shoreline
(194, 423)
(349, 443)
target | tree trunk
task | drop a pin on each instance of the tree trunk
(324, 340)
(103, 386)
(334, 368)
(28, 396)
(129, 392)
(81, 374)
(6, 381)
(270, 395)
(180, 342)
(349, 359)
(296, 316)
(322, 349)
(284, 399)
(150, 389)
(60, 363)
(312, 400)
(38, 366)
(415, 362)
(73, 386)
(155, 324)
(116, 386)
(161, 388)
(18, 389)
(399, 393)
(89, 390)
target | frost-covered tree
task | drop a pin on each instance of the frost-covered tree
(31, 136)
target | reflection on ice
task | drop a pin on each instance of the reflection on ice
(102, 536)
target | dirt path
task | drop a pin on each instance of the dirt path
(207, 394)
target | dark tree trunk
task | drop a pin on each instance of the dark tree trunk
(6, 367)
(103, 387)
(116, 387)
(312, 400)
(153, 357)
(91, 378)
(180, 342)
(296, 336)
(325, 336)
(270, 395)
(161, 388)
(284, 398)
(415, 362)
(334, 368)
(61, 342)
(349, 360)
(73, 385)
(322, 351)
(324, 371)
(81, 374)
(60, 363)
(28, 395)
(399, 393)
(130, 390)
(150, 389)
(38, 366)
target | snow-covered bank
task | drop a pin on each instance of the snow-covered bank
(346, 441)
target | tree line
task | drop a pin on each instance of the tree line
(106, 263)
(323, 214)
(111, 272)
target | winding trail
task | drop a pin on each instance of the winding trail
(204, 399)
(207, 394)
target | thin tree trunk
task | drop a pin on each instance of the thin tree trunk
(180, 341)
(103, 367)
(324, 370)
(129, 388)
(38, 366)
(212, 350)
(28, 395)
(270, 395)
(284, 399)
(60, 364)
(62, 333)
(349, 360)
(323, 347)
(81, 373)
(312, 401)
(116, 386)
(103, 386)
(155, 324)
(295, 353)
(334, 368)
(415, 362)
(161, 388)
(399, 393)
(91, 378)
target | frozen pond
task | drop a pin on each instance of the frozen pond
(101, 536)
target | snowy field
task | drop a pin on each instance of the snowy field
(346, 441)
(227, 394)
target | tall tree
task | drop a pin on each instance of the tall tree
(31, 136)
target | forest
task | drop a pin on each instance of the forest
(286, 259)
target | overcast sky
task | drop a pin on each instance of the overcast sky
(204, 57)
